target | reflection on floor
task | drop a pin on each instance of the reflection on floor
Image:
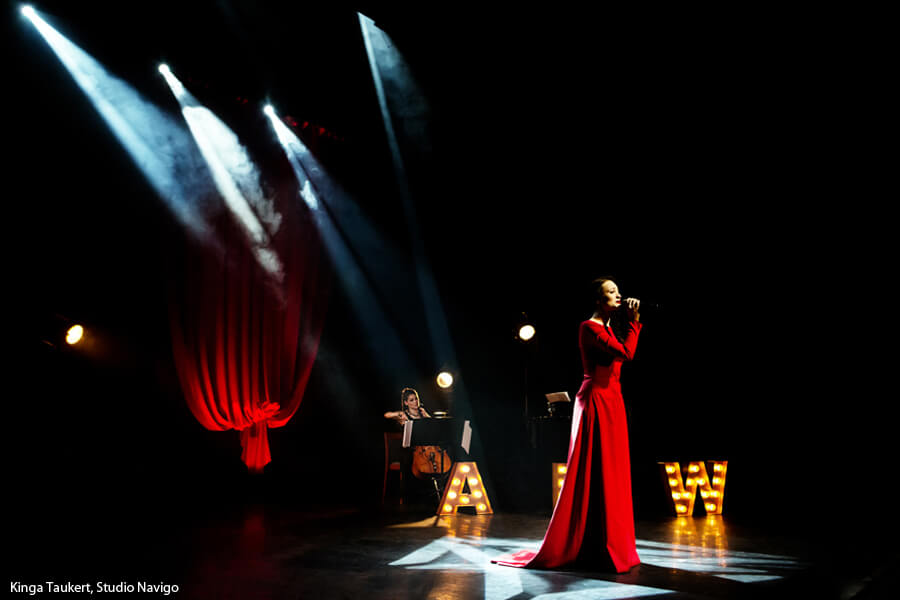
(696, 546)
(267, 552)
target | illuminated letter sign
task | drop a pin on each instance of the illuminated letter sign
(684, 491)
(464, 476)
(558, 476)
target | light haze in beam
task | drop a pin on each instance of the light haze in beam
(235, 175)
(400, 100)
(315, 186)
(159, 146)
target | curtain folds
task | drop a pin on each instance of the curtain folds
(243, 343)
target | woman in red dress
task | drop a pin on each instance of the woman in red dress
(593, 523)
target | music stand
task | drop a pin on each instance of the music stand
(557, 400)
(452, 435)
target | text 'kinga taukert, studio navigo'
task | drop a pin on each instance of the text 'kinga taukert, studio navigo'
(99, 587)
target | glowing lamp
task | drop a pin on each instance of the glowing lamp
(28, 11)
(74, 335)
(164, 69)
(444, 380)
(526, 332)
(269, 110)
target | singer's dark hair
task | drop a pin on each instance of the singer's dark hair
(618, 320)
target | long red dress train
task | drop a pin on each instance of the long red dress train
(593, 526)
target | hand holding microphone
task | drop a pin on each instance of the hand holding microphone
(633, 306)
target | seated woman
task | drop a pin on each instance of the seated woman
(410, 408)
(417, 483)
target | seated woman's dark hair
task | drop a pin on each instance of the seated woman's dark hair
(405, 393)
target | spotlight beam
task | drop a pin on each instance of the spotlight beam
(234, 175)
(384, 330)
(157, 145)
(385, 62)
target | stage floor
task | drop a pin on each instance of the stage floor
(261, 551)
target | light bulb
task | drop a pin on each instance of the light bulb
(74, 334)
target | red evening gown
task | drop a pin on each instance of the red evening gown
(593, 523)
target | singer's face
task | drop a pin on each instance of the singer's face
(411, 401)
(610, 298)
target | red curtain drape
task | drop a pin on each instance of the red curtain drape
(243, 342)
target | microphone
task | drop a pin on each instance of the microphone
(645, 307)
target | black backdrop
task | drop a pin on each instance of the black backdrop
(721, 166)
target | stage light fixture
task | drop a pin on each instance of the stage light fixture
(269, 110)
(524, 328)
(444, 380)
(28, 11)
(164, 69)
(526, 332)
(74, 335)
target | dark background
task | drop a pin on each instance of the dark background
(726, 166)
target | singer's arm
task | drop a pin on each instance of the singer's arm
(602, 338)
